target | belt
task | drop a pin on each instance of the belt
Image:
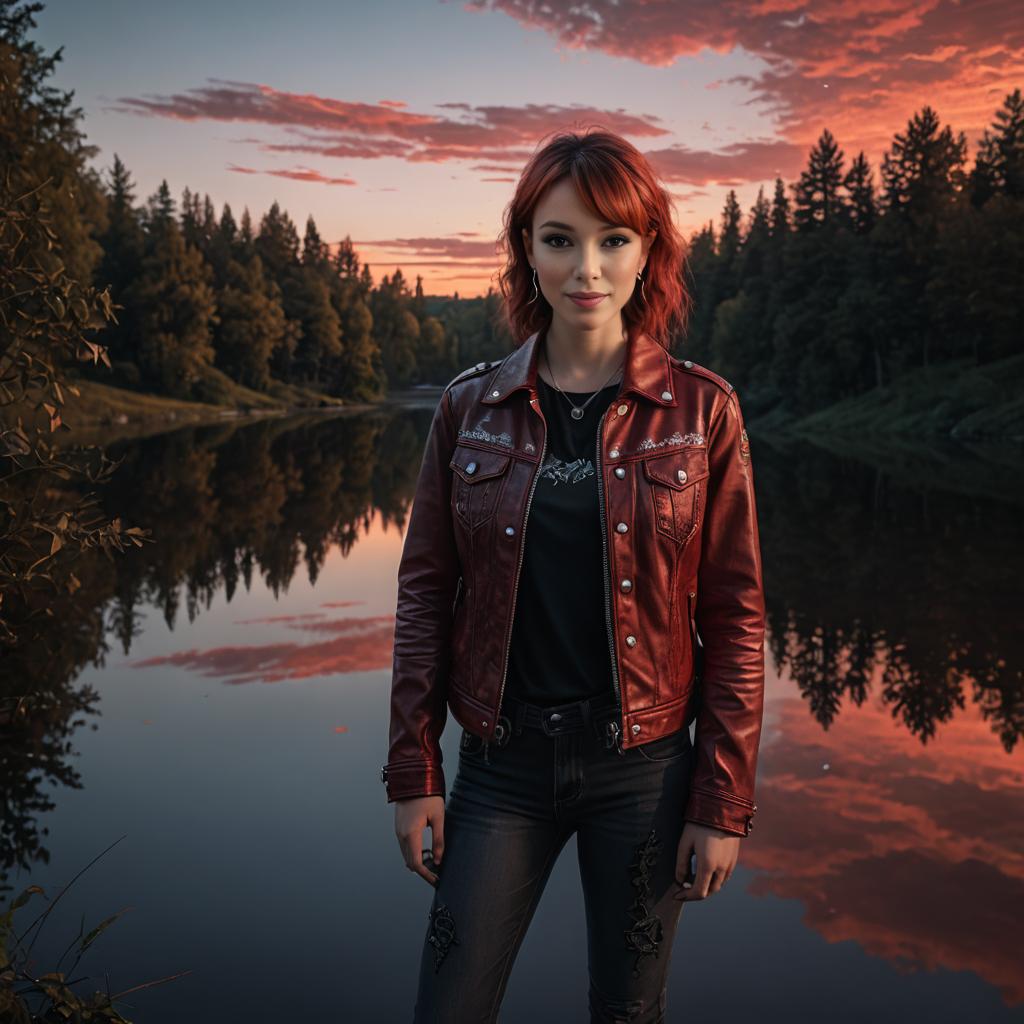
(558, 719)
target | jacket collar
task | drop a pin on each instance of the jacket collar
(647, 371)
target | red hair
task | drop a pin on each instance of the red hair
(616, 183)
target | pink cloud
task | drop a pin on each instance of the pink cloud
(301, 174)
(360, 645)
(371, 131)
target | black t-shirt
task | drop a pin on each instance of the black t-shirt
(559, 650)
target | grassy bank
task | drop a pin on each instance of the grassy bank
(103, 412)
(952, 400)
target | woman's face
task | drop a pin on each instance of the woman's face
(574, 251)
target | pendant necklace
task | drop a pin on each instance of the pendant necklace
(577, 410)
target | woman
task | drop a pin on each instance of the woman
(572, 662)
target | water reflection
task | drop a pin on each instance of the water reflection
(891, 784)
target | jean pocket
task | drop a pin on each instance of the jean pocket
(666, 748)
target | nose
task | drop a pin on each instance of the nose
(589, 265)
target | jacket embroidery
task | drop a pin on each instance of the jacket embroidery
(479, 434)
(676, 438)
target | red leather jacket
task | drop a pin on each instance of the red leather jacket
(683, 588)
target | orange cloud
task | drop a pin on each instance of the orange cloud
(859, 67)
(914, 851)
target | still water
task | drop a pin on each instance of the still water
(225, 714)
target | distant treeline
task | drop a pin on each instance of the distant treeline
(833, 286)
(263, 305)
(838, 284)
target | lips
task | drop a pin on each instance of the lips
(588, 302)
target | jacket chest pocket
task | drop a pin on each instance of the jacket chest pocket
(477, 483)
(675, 482)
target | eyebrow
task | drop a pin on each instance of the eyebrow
(569, 227)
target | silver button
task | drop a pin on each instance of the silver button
(528, 447)
(620, 472)
(636, 729)
(626, 585)
(681, 473)
(471, 468)
(614, 453)
(687, 363)
(631, 640)
(667, 395)
(484, 723)
(623, 409)
(494, 394)
(621, 527)
(510, 530)
(555, 717)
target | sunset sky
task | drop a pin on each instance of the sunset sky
(405, 125)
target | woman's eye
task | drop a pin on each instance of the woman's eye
(551, 238)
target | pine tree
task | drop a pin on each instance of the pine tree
(780, 210)
(818, 199)
(159, 209)
(315, 251)
(174, 296)
(123, 243)
(999, 166)
(861, 212)
(923, 168)
(346, 263)
(251, 323)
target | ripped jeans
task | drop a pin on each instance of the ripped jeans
(514, 803)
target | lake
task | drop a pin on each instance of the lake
(216, 715)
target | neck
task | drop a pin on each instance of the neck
(582, 360)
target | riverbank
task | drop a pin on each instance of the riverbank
(950, 401)
(102, 413)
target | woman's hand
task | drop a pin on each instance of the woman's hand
(411, 817)
(717, 853)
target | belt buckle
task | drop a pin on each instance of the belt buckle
(502, 730)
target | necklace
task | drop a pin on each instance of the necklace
(577, 410)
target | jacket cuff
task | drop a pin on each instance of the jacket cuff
(720, 810)
(406, 779)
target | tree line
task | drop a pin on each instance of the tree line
(835, 285)
(259, 303)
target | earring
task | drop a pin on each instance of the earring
(536, 290)
(642, 294)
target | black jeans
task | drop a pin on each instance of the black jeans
(513, 804)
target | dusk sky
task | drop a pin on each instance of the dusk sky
(405, 124)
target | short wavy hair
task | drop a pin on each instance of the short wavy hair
(615, 181)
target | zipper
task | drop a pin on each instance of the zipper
(613, 727)
(696, 648)
(691, 625)
(522, 549)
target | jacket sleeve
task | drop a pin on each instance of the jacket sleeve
(428, 575)
(730, 618)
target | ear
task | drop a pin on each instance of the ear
(527, 243)
(645, 246)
